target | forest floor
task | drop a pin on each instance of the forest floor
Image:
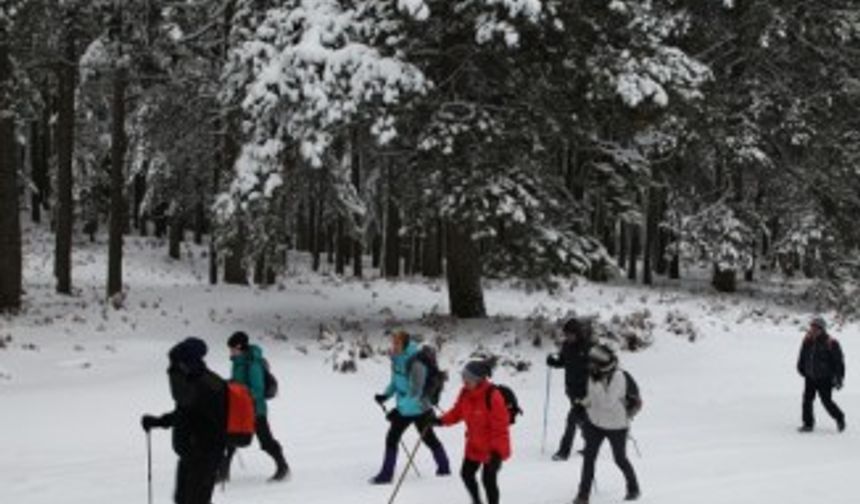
(718, 424)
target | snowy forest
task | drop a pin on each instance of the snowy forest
(515, 139)
(632, 221)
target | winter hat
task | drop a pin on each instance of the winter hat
(578, 326)
(602, 359)
(238, 340)
(819, 322)
(476, 371)
(189, 352)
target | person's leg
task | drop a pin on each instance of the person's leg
(271, 446)
(808, 398)
(593, 439)
(200, 478)
(489, 477)
(468, 472)
(424, 425)
(397, 425)
(224, 467)
(566, 443)
(180, 492)
(825, 392)
(618, 442)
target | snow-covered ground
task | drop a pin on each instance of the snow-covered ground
(718, 424)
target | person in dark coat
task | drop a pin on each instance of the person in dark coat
(198, 421)
(573, 358)
(249, 370)
(822, 365)
(482, 408)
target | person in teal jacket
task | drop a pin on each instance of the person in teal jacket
(249, 370)
(408, 375)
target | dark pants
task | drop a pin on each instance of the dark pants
(594, 437)
(195, 478)
(423, 424)
(824, 389)
(489, 477)
(575, 417)
(268, 444)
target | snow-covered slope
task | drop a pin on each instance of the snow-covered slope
(718, 424)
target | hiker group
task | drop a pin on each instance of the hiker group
(213, 417)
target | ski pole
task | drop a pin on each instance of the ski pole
(148, 467)
(409, 462)
(402, 443)
(546, 410)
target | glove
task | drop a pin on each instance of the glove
(551, 360)
(380, 398)
(148, 422)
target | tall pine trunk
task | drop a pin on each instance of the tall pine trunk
(356, 165)
(39, 166)
(633, 250)
(340, 252)
(177, 230)
(67, 76)
(392, 233)
(117, 182)
(651, 229)
(10, 223)
(432, 257)
(465, 293)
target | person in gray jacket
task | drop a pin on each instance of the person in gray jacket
(610, 403)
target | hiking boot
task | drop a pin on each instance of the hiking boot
(560, 457)
(380, 479)
(840, 424)
(805, 428)
(632, 495)
(281, 473)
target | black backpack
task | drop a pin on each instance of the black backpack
(270, 383)
(435, 380)
(632, 398)
(511, 402)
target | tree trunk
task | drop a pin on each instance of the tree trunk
(234, 266)
(139, 220)
(39, 167)
(465, 294)
(117, 183)
(392, 236)
(314, 230)
(176, 234)
(376, 250)
(623, 237)
(432, 260)
(651, 229)
(340, 253)
(633, 250)
(260, 270)
(10, 218)
(724, 280)
(67, 76)
(199, 220)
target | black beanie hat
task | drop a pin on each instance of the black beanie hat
(578, 326)
(238, 340)
(189, 352)
(477, 370)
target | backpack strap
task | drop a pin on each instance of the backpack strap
(489, 396)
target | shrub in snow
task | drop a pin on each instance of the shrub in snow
(5, 342)
(630, 332)
(679, 324)
(343, 359)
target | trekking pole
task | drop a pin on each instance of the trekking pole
(408, 463)
(546, 410)
(402, 443)
(148, 467)
(635, 445)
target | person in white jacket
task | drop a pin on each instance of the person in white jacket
(610, 403)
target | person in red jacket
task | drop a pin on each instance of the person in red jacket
(488, 441)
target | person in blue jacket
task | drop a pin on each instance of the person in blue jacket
(408, 375)
(249, 370)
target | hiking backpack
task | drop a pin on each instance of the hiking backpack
(632, 398)
(435, 380)
(270, 383)
(511, 402)
(240, 415)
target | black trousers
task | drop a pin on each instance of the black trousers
(824, 390)
(423, 424)
(267, 441)
(489, 477)
(594, 437)
(575, 417)
(195, 478)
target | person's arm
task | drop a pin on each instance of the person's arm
(838, 362)
(164, 421)
(455, 414)
(801, 358)
(499, 425)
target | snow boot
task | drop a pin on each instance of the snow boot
(443, 467)
(386, 474)
(840, 424)
(560, 457)
(805, 429)
(632, 495)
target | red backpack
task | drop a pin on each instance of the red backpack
(240, 415)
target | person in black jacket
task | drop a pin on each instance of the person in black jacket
(822, 366)
(574, 359)
(198, 421)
